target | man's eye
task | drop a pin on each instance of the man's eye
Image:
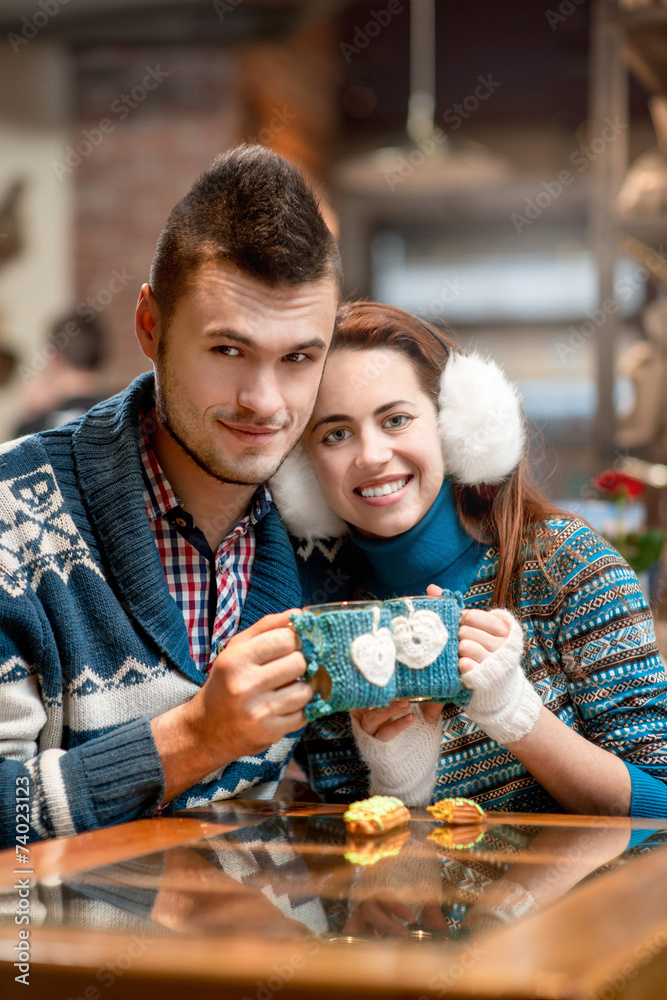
(296, 357)
(227, 351)
(337, 435)
(397, 420)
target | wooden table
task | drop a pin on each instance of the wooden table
(260, 900)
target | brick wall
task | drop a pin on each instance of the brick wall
(146, 158)
(147, 121)
(290, 96)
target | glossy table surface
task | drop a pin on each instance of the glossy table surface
(255, 900)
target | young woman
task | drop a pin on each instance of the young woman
(418, 451)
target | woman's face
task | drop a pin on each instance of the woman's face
(373, 440)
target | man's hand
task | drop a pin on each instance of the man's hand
(381, 915)
(251, 699)
(253, 696)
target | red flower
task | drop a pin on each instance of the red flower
(618, 484)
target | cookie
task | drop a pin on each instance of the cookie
(375, 815)
(457, 811)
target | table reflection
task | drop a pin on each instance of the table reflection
(300, 877)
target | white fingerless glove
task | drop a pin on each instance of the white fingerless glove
(405, 766)
(504, 702)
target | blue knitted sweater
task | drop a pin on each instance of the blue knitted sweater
(92, 646)
(589, 650)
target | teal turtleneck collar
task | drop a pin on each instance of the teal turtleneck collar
(435, 550)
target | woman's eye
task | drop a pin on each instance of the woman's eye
(337, 435)
(397, 420)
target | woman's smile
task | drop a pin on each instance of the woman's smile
(388, 489)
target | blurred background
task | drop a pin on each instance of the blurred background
(499, 166)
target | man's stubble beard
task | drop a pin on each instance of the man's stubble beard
(218, 471)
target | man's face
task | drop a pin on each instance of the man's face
(238, 369)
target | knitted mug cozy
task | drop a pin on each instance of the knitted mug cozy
(363, 654)
(425, 631)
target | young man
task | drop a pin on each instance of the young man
(144, 572)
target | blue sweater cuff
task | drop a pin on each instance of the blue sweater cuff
(129, 886)
(649, 794)
(114, 778)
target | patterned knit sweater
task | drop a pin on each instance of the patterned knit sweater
(589, 650)
(92, 646)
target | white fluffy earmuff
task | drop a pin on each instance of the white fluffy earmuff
(300, 500)
(481, 428)
(480, 421)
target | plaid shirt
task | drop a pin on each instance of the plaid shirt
(211, 603)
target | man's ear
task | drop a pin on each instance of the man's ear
(147, 322)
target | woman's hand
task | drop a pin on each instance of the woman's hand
(386, 722)
(481, 633)
(504, 703)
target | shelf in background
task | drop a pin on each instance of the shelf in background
(647, 16)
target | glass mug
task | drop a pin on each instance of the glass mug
(363, 654)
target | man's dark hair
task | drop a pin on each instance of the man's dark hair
(80, 341)
(250, 208)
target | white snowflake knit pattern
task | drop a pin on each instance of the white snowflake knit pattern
(37, 535)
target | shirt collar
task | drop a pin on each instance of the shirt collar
(158, 494)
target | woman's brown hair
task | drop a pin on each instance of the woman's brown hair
(511, 514)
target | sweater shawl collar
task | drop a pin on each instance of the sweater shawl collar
(435, 550)
(108, 465)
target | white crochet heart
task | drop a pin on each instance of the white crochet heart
(420, 638)
(374, 654)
